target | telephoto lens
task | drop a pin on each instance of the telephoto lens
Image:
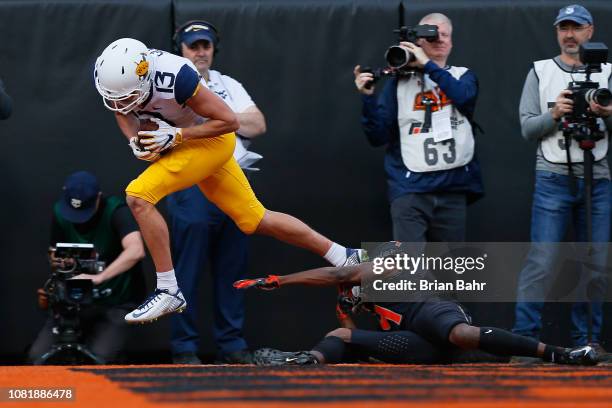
(600, 96)
(397, 56)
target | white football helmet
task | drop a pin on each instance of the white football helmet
(123, 74)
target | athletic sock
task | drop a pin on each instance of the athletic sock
(503, 343)
(167, 280)
(332, 348)
(336, 255)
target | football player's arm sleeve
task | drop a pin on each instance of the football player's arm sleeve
(6, 104)
(186, 84)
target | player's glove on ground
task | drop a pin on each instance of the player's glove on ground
(349, 302)
(270, 283)
(140, 153)
(164, 138)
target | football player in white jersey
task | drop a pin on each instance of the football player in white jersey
(193, 144)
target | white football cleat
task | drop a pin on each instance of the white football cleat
(355, 256)
(160, 303)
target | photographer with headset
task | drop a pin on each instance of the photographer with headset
(200, 232)
(84, 215)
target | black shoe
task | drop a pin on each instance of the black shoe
(272, 357)
(603, 355)
(188, 357)
(585, 355)
(236, 357)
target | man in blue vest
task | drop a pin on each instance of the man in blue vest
(431, 169)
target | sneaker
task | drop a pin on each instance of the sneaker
(160, 303)
(585, 355)
(187, 357)
(603, 355)
(272, 357)
(355, 256)
(236, 357)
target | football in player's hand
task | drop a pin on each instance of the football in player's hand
(147, 124)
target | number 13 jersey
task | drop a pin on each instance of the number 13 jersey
(175, 80)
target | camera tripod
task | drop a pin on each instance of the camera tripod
(66, 348)
(586, 134)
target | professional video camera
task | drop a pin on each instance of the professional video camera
(71, 260)
(582, 124)
(397, 57)
(65, 297)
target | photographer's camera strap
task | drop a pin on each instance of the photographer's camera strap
(428, 102)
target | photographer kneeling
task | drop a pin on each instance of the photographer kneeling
(84, 215)
(424, 118)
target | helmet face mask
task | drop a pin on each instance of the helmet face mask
(123, 75)
(127, 103)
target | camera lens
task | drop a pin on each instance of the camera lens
(397, 56)
(602, 96)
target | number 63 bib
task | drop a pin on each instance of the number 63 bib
(432, 149)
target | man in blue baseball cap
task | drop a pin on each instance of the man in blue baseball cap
(575, 13)
(84, 215)
(81, 197)
(545, 101)
(196, 30)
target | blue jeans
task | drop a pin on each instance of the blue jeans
(553, 209)
(201, 233)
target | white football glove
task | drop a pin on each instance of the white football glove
(141, 153)
(164, 138)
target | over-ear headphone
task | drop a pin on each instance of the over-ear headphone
(178, 34)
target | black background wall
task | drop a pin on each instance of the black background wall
(296, 59)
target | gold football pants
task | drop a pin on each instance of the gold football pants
(210, 164)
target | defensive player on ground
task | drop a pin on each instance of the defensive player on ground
(428, 331)
(192, 142)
